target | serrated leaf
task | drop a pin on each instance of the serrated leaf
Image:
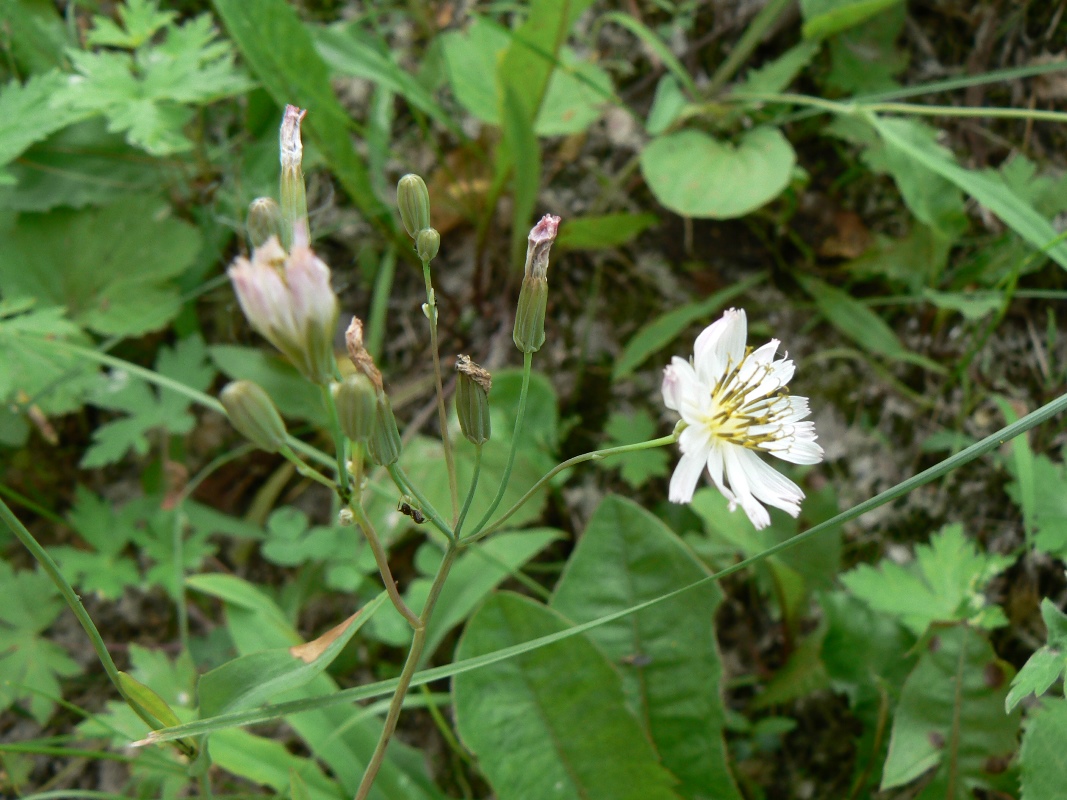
(148, 408)
(552, 722)
(26, 117)
(944, 583)
(667, 655)
(823, 18)
(140, 21)
(1047, 664)
(1042, 756)
(950, 718)
(145, 94)
(32, 371)
(696, 175)
(30, 664)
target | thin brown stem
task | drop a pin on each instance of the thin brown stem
(418, 642)
(383, 565)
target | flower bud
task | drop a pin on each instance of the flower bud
(289, 300)
(529, 332)
(356, 406)
(413, 199)
(427, 243)
(294, 204)
(472, 400)
(253, 414)
(384, 442)
(264, 221)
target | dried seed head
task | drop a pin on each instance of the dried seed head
(292, 190)
(472, 400)
(359, 355)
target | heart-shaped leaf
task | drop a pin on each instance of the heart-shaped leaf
(698, 176)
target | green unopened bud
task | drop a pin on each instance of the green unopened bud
(413, 199)
(384, 442)
(254, 416)
(529, 332)
(356, 406)
(293, 193)
(427, 243)
(264, 221)
(472, 400)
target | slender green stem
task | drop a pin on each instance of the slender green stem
(748, 42)
(30, 505)
(382, 560)
(75, 604)
(442, 413)
(405, 485)
(520, 416)
(178, 554)
(918, 109)
(595, 455)
(340, 446)
(418, 642)
(379, 304)
(473, 488)
(200, 398)
(306, 471)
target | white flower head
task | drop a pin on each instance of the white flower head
(734, 404)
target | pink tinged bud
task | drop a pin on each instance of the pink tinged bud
(672, 389)
(539, 244)
(295, 310)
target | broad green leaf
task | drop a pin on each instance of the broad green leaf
(255, 623)
(824, 18)
(471, 58)
(668, 656)
(916, 260)
(280, 51)
(26, 118)
(951, 718)
(607, 230)
(551, 723)
(695, 175)
(79, 166)
(1047, 664)
(520, 152)
(660, 332)
(481, 569)
(268, 762)
(992, 193)
(945, 583)
(802, 675)
(860, 324)
(251, 679)
(35, 35)
(1042, 756)
(112, 267)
